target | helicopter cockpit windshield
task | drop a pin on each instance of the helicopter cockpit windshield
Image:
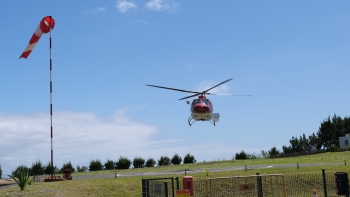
(205, 101)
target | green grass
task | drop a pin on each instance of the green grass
(131, 186)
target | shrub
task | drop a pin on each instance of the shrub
(122, 163)
(48, 169)
(109, 165)
(68, 166)
(176, 160)
(82, 169)
(164, 161)
(20, 169)
(95, 165)
(189, 159)
(150, 162)
(241, 155)
(37, 169)
(138, 162)
(21, 176)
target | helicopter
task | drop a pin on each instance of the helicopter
(201, 108)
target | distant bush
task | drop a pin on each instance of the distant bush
(189, 159)
(150, 162)
(68, 166)
(241, 155)
(164, 161)
(176, 160)
(122, 163)
(138, 162)
(109, 165)
(95, 165)
(37, 169)
(274, 151)
(48, 169)
(20, 169)
(82, 169)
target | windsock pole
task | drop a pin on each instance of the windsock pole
(53, 170)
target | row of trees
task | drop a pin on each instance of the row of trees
(139, 162)
(95, 165)
(327, 138)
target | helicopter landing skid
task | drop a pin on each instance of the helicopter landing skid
(191, 121)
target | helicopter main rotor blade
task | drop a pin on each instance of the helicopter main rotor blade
(191, 96)
(217, 85)
(173, 89)
(230, 94)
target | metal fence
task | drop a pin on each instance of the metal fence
(160, 187)
(290, 184)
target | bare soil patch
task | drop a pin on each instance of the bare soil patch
(6, 182)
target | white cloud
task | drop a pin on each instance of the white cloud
(222, 89)
(160, 5)
(124, 6)
(100, 9)
(77, 137)
(80, 137)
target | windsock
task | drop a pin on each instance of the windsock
(45, 25)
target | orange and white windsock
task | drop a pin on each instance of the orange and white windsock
(45, 26)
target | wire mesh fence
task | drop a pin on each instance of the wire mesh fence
(290, 184)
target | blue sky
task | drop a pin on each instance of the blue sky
(291, 55)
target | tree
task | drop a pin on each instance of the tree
(20, 169)
(241, 155)
(109, 165)
(82, 169)
(176, 160)
(138, 162)
(315, 142)
(164, 161)
(68, 166)
(325, 133)
(274, 151)
(37, 169)
(286, 149)
(150, 162)
(264, 154)
(189, 159)
(122, 163)
(0, 172)
(48, 169)
(294, 145)
(95, 165)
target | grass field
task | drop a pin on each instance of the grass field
(131, 186)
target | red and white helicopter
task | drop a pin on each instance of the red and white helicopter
(201, 108)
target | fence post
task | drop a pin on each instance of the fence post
(324, 183)
(144, 188)
(177, 183)
(172, 186)
(166, 189)
(259, 183)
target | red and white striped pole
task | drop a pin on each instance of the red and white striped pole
(53, 170)
(46, 25)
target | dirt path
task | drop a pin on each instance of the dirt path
(4, 182)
